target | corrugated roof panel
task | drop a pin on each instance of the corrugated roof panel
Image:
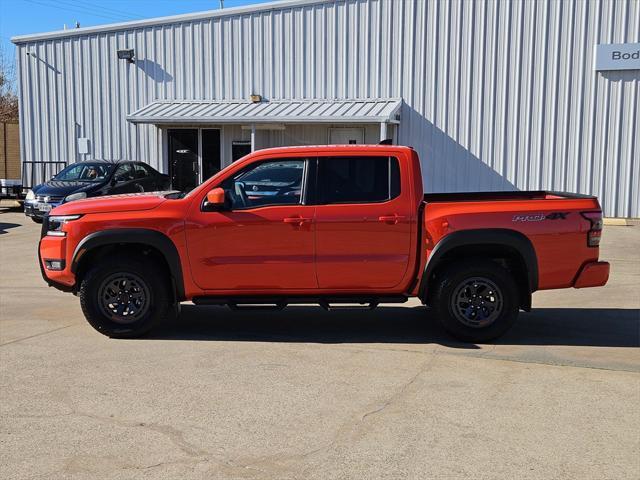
(294, 111)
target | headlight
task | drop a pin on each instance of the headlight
(75, 196)
(56, 222)
(30, 196)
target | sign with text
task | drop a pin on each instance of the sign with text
(618, 56)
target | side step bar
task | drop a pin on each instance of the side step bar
(278, 303)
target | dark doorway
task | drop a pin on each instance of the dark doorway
(210, 152)
(239, 150)
(183, 158)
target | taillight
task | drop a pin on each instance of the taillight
(595, 232)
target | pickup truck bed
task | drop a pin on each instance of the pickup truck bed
(538, 224)
(325, 224)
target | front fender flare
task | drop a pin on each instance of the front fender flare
(139, 236)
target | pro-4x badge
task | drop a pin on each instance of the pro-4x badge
(538, 217)
(557, 216)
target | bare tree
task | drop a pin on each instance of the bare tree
(8, 88)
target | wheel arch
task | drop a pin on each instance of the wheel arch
(510, 245)
(106, 241)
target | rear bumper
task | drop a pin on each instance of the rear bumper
(592, 274)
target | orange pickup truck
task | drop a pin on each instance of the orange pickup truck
(330, 225)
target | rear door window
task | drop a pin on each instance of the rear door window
(124, 173)
(141, 171)
(358, 179)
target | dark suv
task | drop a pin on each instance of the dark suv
(92, 179)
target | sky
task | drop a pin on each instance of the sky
(20, 17)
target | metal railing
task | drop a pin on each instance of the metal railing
(34, 173)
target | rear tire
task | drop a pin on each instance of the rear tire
(125, 297)
(476, 301)
(37, 220)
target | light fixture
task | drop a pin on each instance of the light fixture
(55, 265)
(127, 55)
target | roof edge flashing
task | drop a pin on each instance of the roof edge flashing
(157, 21)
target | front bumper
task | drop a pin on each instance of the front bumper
(592, 274)
(54, 248)
(31, 209)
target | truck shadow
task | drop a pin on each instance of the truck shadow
(4, 226)
(544, 326)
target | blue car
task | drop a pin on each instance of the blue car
(92, 179)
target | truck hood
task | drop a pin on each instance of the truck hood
(112, 203)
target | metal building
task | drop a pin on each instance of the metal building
(493, 95)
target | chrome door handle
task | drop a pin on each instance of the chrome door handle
(391, 219)
(297, 221)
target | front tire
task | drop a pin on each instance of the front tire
(476, 301)
(124, 297)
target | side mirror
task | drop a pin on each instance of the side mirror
(215, 199)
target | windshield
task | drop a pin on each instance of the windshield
(85, 172)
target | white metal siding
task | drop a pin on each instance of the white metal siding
(498, 94)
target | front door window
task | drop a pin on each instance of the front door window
(270, 183)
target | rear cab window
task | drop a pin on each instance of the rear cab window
(371, 179)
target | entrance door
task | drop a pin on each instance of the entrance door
(183, 158)
(210, 152)
(346, 136)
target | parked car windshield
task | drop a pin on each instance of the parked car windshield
(85, 172)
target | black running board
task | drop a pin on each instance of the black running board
(278, 303)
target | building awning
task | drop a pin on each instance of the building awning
(277, 111)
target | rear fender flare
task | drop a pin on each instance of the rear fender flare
(493, 236)
(139, 236)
